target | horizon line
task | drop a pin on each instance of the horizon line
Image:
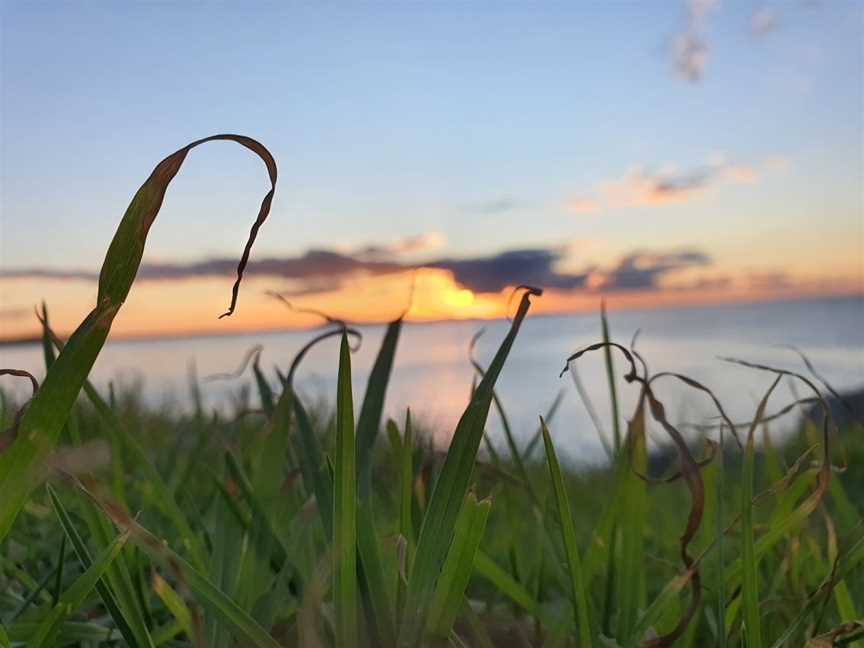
(36, 338)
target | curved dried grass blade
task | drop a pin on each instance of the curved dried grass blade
(690, 471)
(8, 435)
(251, 355)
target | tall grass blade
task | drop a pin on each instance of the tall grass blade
(369, 420)
(75, 595)
(750, 582)
(21, 464)
(406, 500)
(610, 376)
(486, 567)
(436, 532)
(634, 506)
(137, 637)
(174, 603)
(248, 631)
(373, 587)
(459, 565)
(581, 613)
(345, 507)
(312, 467)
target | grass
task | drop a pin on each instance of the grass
(293, 525)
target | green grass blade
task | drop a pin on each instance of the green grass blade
(371, 577)
(479, 632)
(4, 638)
(750, 561)
(47, 345)
(21, 465)
(265, 392)
(58, 583)
(369, 420)
(436, 532)
(134, 631)
(515, 454)
(406, 500)
(663, 601)
(345, 507)
(75, 595)
(228, 533)
(750, 584)
(487, 568)
(174, 603)
(846, 563)
(69, 632)
(312, 467)
(259, 514)
(631, 527)
(459, 565)
(568, 534)
(238, 621)
(164, 498)
(610, 375)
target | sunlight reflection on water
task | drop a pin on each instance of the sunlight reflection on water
(432, 375)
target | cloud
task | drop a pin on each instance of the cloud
(408, 245)
(47, 273)
(14, 313)
(690, 50)
(769, 280)
(497, 206)
(642, 270)
(494, 273)
(764, 21)
(643, 188)
(640, 188)
(583, 205)
(319, 271)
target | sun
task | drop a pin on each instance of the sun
(459, 298)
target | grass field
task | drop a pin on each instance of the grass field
(286, 525)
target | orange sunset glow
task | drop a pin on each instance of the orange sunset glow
(191, 306)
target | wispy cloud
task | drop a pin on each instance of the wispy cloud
(14, 313)
(583, 205)
(642, 188)
(496, 206)
(690, 50)
(764, 21)
(416, 244)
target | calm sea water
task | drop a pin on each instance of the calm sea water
(433, 377)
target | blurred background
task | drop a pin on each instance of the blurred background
(696, 164)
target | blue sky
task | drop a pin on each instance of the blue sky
(479, 122)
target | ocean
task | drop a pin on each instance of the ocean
(433, 377)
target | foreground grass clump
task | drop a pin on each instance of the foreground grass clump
(286, 525)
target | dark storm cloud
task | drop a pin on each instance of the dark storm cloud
(323, 270)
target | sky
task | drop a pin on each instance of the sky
(431, 156)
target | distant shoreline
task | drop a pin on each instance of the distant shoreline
(37, 339)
